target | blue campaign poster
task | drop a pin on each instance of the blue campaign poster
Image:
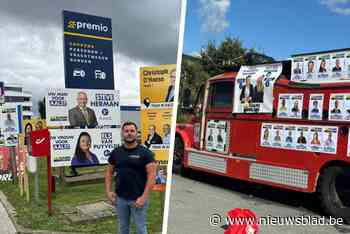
(88, 51)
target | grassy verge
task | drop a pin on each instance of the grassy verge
(34, 216)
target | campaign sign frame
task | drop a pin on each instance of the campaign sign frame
(102, 107)
(88, 51)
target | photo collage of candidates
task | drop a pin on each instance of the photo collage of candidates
(339, 107)
(290, 105)
(91, 121)
(254, 88)
(157, 96)
(217, 136)
(300, 137)
(325, 67)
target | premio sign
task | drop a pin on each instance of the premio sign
(88, 51)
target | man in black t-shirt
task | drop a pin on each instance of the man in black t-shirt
(135, 176)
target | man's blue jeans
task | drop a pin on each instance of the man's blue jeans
(125, 208)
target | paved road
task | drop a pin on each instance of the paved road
(6, 225)
(194, 199)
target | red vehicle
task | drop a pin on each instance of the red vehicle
(246, 159)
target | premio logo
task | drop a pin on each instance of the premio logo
(72, 24)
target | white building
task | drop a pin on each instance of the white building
(14, 93)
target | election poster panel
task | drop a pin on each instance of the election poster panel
(298, 68)
(290, 105)
(10, 124)
(316, 106)
(29, 125)
(265, 136)
(217, 136)
(157, 85)
(5, 165)
(254, 88)
(155, 131)
(289, 137)
(82, 108)
(82, 147)
(337, 107)
(322, 67)
(300, 137)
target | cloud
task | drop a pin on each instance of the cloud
(213, 14)
(338, 6)
(31, 41)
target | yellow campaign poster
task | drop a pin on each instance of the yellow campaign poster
(32, 124)
(155, 132)
(157, 85)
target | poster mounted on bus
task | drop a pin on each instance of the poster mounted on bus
(339, 107)
(311, 138)
(266, 133)
(82, 107)
(290, 105)
(322, 67)
(157, 85)
(82, 147)
(217, 136)
(254, 88)
(316, 106)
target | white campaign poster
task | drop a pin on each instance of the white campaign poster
(311, 138)
(216, 136)
(310, 69)
(277, 131)
(336, 107)
(82, 107)
(330, 139)
(197, 132)
(82, 147)
(289, 137)
(316, 106)
(290, 105)
(254, 88)
(322, 67)
(266, 134)
(346, 110)
(338, 65)
(298, 69)
(302, 137)
(9, 124)
(316, 138)
(283, 105)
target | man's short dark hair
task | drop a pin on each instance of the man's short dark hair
(128, 123)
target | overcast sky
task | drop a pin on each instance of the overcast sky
(144, 33)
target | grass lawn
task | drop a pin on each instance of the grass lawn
(34, 216)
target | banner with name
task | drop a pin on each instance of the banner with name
(157, 86)
(254, 88)
(217, 136)
(316, 106)
(155, 131)
(290, 105)
(82, 108)
(88, 51)
(321, 67)
(311, 138)
(82, 147)
(339, 107)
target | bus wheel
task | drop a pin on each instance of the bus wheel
(334, 191)
(179, 149)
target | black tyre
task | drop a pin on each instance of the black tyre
(178, 164)
(334, 192)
